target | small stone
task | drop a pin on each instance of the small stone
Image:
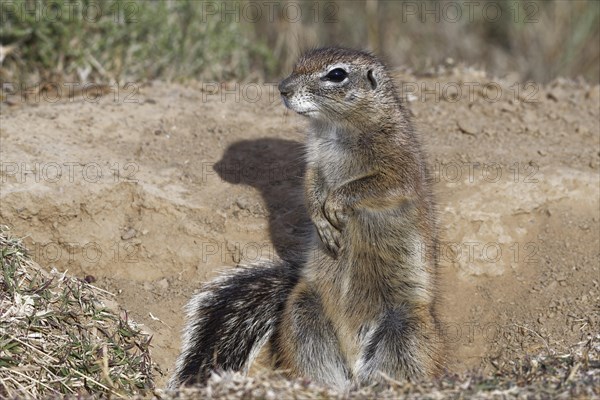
(552, 96)
(131, 233)
(243, 203)
(163, 284)
(467, 128)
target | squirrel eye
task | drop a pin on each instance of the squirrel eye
(336, 75)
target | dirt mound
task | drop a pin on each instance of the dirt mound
(150, 198)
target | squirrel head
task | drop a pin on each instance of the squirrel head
(341, 87)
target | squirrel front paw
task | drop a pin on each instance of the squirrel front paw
(336, 211)
(330, 224)
(329, 235)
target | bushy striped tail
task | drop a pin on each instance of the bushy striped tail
(230, 319)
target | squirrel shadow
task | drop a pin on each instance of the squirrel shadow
(276, 168)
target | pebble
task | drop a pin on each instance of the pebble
(129, 234)
(467, 128)
(243, 203)
(163, 284)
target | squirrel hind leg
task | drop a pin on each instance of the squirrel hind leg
(305, 343)
(404, 345)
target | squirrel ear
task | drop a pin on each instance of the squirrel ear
(372, 80)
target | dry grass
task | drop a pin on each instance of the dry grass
(57, 338)
(572, 375)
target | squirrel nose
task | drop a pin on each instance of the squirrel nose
(285, 87)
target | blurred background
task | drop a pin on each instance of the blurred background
(123, 40)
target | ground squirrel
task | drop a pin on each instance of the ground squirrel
(360, 304)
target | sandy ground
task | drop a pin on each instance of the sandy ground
(150, 195)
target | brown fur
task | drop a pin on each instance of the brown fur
(373, 267)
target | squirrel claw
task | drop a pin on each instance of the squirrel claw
(335, 213)
(329, 235)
